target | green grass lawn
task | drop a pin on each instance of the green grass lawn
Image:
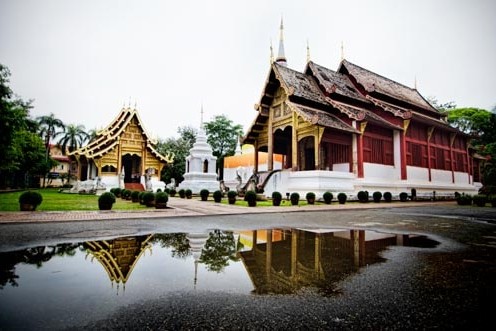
(55, 201)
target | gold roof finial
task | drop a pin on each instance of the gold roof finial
(342, 50)
(201, 116)
(415, 82)
(308, 52)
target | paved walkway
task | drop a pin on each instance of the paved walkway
(190, 207)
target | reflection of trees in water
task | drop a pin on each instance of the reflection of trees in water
(34, 255)
(177, 241)
(219, 249)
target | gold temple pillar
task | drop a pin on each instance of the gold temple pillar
(268, 254)
(294, 253)
(318, 248)
(294, 143)
(254, 242)
(316, 149)
(255, 166)
(355, 246)
(270, 148)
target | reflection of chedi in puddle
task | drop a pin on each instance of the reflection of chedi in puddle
(284, 261)
(119, 256)
(196, 243)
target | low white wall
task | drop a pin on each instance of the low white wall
(442, 176)
(374, 170)
(316, 181)
(341, 167)
(462, 178)
(417, 173)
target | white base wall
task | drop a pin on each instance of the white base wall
(385, 180)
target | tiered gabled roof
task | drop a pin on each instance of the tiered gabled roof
(333, 82)
(374, 83)
(319, 94)
(108, 138)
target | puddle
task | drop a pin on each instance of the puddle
(43, 286)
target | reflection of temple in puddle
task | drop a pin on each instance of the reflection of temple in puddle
(119, 256)
(283, 261)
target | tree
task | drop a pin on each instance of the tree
(180, 147)
(481, 124)
(441, 106)
(472, 121)
(48, 129)
(219, 249)
(223, 136)
(72, 138)
(20, 147)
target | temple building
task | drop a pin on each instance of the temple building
(119, 256)
(123, 153)
(282, 261)
(352, 129)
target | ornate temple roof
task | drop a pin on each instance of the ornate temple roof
(299, 85)
(320, 117)
(108, 138)
(373, 82)
(334, 82)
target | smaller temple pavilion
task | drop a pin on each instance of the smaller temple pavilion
(122, 154)
(352, 129)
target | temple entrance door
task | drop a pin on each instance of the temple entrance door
(83, 169)
(132, 168)
(283, 146)
(307, 157)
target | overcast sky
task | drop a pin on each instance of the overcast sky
(82, 60)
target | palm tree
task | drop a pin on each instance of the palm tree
(73, 138)
(48, 129)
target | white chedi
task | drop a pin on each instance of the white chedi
(200, 167)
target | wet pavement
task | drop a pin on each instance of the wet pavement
(450, 286)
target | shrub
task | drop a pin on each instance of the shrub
(464, 200)
(166, 190)
(161, 199)
(377, 196)
(342, 197)
(251, 198)
(126, 194)
(106, 201)
(403, 196)
(276, 198)
(172, 192)
(182, 193)
(295, 198)
(363, 196)
(231, 197)
(310, 196)
(159, 190)
(149, 199)
(29, 200)
(141, 195)
(327, 197)
(388, 197)
(135, 196)
(116, 191)
(204, 194)
(188, 193)
(492, 200)
(217, 196)
(479, 200)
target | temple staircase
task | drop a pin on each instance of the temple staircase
(134, 186)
